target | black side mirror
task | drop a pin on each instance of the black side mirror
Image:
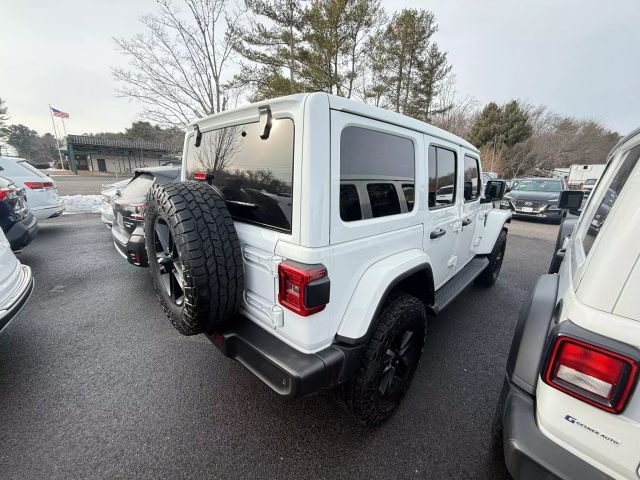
(494, 190)
(570, 199)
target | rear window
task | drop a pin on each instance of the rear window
(32, 169)
(139, 186)
(254, 175)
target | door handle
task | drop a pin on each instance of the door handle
(437, 233)
(466, 221)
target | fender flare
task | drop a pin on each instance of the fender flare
(358, 319)
(532, 330)
(493, 224)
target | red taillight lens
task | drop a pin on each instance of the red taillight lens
(4, 192)
(200, 176)
(295, 281)
(136, 210)
(39, 185)
(592, 374)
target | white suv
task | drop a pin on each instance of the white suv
(334, 229)
(570, 406)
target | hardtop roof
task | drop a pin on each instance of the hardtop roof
(342, 104)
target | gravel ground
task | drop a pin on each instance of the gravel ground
(95, 382)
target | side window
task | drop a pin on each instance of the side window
(610, 196)
(471, 179)
(442, 177)
(349, 203)
(381, 161)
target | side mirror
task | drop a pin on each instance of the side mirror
(570, 199)
(494, 190)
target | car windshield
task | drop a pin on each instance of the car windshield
(539, 186)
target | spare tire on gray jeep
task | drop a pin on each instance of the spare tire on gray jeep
(194, 255)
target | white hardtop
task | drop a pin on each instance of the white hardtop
(249, 112)
(615, 255)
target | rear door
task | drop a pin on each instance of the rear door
(442, 223)
(255, 176)
(472, 224)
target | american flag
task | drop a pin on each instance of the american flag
(59, 113)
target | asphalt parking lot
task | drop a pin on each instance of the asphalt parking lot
(96, 383)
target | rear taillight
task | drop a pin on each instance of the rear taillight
(592, 374)
(39, 185)
(304, 289)
(203, 177)
(4, 193)
(136, 210)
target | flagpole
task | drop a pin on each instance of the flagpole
(55, 132)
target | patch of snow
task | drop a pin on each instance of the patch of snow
(82, 203)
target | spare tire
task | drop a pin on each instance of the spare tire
(195, 259)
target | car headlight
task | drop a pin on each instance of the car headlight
(504, 202)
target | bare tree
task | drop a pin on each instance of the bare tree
(177, 67)
(453, 114)
(218, 148)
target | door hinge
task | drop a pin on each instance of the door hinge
(457, 227)
(452, 261)
(267, 260)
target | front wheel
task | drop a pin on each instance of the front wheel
(388, 362)
(489, 275)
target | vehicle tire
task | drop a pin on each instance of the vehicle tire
(194, 255)
(388, 362)
(490, 274)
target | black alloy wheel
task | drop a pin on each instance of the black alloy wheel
(171, 271)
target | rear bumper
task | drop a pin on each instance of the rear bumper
(22, 233)
(9, 307)
(131, 247)
(283, 368)
(528, 453)
(42, 213)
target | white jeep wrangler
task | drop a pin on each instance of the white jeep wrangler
(570, 406)
(312, 237)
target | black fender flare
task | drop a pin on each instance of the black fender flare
(532, 330)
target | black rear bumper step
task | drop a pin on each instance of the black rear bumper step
(286, 370)
(450, 290)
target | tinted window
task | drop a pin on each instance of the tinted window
(349, 203)
(610, 197)
(139, 186)
(254, 175)
(384, 199)
(377, 158)
(471, 178)
(442, 177)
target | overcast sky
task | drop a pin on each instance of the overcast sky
(578, 57)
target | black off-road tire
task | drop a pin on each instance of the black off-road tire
(489, 275)
(206, 245)
(361, 395)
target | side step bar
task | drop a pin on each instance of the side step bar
(450, 290)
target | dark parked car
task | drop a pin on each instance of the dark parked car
(128, 209)
(16, 220)
(535, 197)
